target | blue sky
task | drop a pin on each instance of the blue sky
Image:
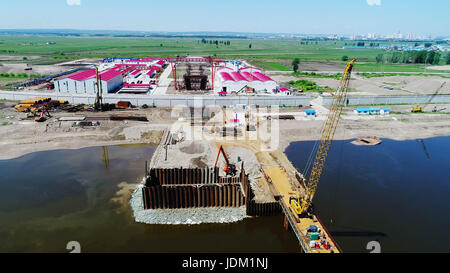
(280, 16)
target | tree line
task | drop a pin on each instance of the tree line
(18, 75)
(215, 42)
(408, 57)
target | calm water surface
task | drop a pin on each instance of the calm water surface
(397, 193)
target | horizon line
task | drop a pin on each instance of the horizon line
(202, 31)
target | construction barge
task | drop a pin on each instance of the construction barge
(282, 188)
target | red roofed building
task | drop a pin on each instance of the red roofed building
(241, 81)
(86, 82)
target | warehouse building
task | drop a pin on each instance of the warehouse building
(115, 74)
(239, 82)
(86, 82)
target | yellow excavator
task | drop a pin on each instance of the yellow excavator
(302, 203)
(420, 109)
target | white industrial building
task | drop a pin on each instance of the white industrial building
(86, 82)
(238, 81)
(136, 73)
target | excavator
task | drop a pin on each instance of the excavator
(302, 203)
(420, 109)
(229, 169)
(42, 117)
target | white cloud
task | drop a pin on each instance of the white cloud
(77, 2)
(374, 2)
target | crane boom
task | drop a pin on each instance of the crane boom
(328, 131)
(421, 109)
(305, 202)
(221, 150)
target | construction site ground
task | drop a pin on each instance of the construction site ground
(19, 136)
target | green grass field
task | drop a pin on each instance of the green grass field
(268, 54)
(364, 67)
(271, 65)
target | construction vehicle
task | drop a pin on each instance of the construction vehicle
(435, 110)
(32, 113)
(417, 109)
(42, 117)
(229, 169)
(420, 109)
(302, 203)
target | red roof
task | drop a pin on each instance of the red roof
(135, 72)
(110, 74)
(261, 77)
(223, 93)
(151, 72)
(83, 75)
(226, 76)
(237, 76)
(161, 62)
(284, 89)
(248, 77)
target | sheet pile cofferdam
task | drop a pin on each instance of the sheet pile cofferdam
(201, 188)
(193, 188)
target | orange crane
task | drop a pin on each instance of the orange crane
(229, 169)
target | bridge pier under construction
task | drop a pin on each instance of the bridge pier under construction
(177, 188)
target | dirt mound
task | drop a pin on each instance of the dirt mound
(199, 162)
(193, 148)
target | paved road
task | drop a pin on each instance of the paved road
(164, 82)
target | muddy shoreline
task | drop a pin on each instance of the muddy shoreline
(20, 147)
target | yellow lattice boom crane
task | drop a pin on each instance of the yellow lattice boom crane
(302, 205)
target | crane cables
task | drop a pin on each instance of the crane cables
(328, 131)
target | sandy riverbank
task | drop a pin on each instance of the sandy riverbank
(23, 137)
(397, 127)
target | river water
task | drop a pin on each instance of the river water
(50, 198)
(396, 193)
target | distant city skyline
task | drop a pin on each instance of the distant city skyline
(350, 17)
